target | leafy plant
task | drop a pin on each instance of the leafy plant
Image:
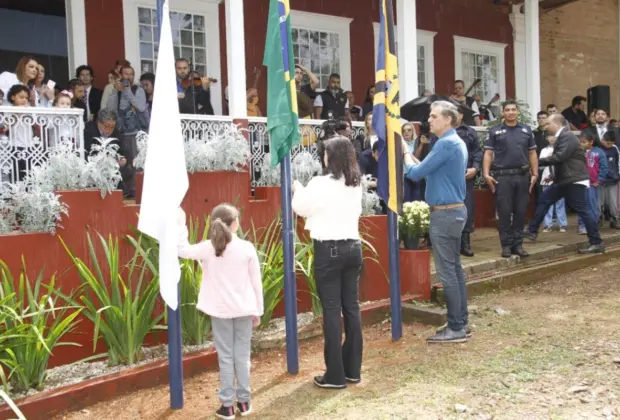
(122, 312)
(306, 266)
(102, 169)
(33, 327)
(12, 405)
(195, 325)
(370, 200)
(36, 208)
(304, 167)
(8, 209)
(224, 149)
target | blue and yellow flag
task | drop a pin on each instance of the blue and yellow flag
(386, 113)
(282, 116)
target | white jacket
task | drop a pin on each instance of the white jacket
(8, 80)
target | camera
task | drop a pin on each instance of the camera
(331, 127)
(425, 129)
(125, 82)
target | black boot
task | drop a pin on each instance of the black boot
(506, 252)
(466, 250)
(518, 250)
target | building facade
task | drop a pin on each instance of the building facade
(438, 41)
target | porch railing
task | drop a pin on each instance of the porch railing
(28, 134)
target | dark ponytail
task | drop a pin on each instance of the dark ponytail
(222, 217)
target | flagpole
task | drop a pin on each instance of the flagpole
(175, 353)
(394, 251)
(290, 285)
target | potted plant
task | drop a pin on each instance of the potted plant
(414, 222)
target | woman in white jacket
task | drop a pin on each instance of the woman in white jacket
(26, 74)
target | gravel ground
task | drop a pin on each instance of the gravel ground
(78, 372)
(548, 351)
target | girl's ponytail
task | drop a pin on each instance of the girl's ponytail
(220, 234)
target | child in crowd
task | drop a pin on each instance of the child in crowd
(608, 194)
(232, 294)
(547, 181)
(20, 134)
(597, 166)
(62, 128)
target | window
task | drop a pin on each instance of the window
(426, 57)
(196, 36)
(317, 51)
(321, 43)
(188, 38)
(484, 60)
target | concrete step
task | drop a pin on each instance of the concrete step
(550, 263)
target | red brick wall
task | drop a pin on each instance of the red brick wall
(579, 49)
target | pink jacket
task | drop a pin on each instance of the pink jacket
(231, 284)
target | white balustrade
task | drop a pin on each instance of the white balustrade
(27, 134)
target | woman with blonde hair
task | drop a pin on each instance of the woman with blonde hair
(413, 191)
(369, 137)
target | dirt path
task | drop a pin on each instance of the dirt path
(553, 354)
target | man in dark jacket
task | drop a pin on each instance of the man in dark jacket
(571, 181)
(474, 163)
(194, 92)
(104, 128)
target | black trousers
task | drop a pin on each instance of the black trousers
(470, 204)
(576, 197)
(337, 271)
(512, 197)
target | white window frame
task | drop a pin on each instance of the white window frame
(425, 39)
(335, 24)
(479, 46)
(207, 8)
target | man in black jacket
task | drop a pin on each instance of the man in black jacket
(194, 92)
(571, 181)
(474, 163)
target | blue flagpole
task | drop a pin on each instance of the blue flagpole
(175, 353)
(290, 286)
(394, 251)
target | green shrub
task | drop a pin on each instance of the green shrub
(121, 310)
(32, 326)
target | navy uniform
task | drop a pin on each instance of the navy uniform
(474, 160)
(511, 147)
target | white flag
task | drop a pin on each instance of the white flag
(165, 174)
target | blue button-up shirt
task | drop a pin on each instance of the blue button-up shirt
(444, 169)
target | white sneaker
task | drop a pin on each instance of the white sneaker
(547, 230)
(563, 229)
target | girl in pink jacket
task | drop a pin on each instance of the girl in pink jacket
(232, 294)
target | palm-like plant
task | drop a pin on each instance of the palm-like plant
(122, 311)
(33, 325)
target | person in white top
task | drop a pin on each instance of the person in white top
(26, 74)
(21, 135)
(231, 292)
(332, 206)
(546, 182)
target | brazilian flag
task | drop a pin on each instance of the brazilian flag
(282, 116)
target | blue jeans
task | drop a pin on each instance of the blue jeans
(560, 211)
(576, 197)
(445, 233)
(594, 208)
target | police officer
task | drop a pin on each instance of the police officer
(510, 168)
(474, 163)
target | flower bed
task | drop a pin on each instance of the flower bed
(45, 404)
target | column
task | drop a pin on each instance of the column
(76, 34)
(532, 51)
(407, 40)
(235, 55)
(518, 35)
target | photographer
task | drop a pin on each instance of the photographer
(129, 101)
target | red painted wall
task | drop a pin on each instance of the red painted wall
(469, 18)
(105, 39)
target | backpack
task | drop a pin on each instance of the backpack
(131, 120)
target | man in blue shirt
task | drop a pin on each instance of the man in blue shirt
(444, 169)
